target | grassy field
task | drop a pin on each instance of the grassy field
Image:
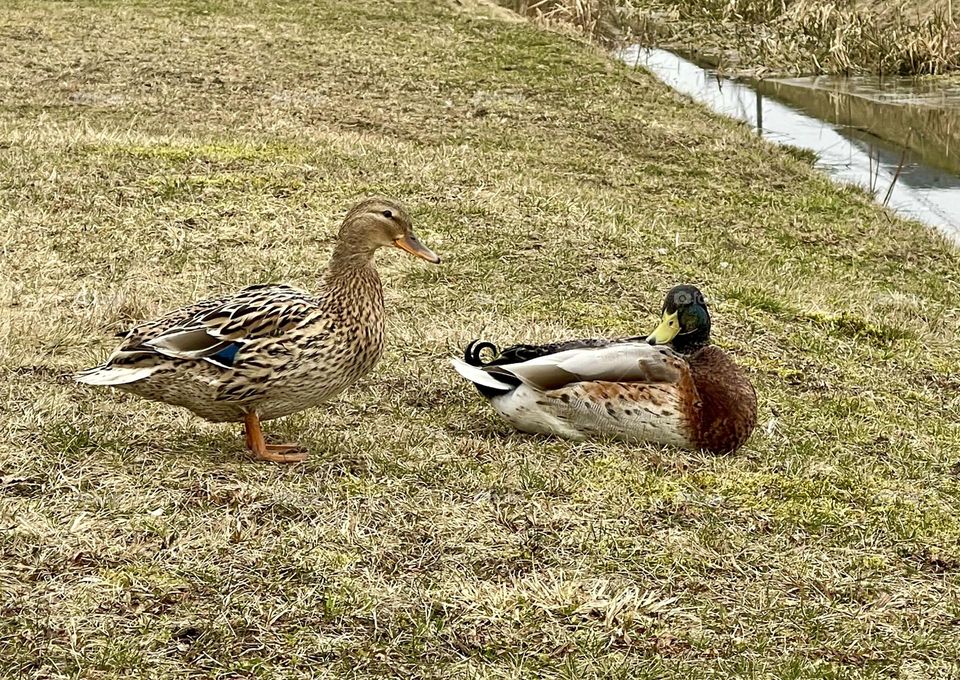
(154, 152)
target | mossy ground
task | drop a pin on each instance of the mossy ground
(154, 152)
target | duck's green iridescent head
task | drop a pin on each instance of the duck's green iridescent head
(685, 321)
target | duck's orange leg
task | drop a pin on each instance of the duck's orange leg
(275, 453)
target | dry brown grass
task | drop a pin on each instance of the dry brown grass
(794, 36)
(154, 152)
(601, 20)
(824, 36)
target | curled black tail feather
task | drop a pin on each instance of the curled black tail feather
(472, 352)
(472, 355)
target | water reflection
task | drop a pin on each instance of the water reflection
(919, 190)
(926, 122)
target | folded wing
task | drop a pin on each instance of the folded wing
(622, 362)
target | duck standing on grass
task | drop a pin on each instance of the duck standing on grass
(673, 387)
(270, 350)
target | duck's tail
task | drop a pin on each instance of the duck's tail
(113, 375)
(472, 352)
(472, 368)
(488, 384)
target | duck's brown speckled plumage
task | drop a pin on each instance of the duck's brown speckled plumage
(269, 350)
(299, 349)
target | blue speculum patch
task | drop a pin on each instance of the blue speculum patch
(227, 354)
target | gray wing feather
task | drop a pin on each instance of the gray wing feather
(191, 343)
(632, 362)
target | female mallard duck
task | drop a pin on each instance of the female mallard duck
(270, 350)
(672, 388)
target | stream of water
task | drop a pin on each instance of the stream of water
(919, 185)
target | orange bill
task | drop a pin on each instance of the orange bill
(412, 245)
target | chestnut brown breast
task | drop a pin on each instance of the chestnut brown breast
(728, 403)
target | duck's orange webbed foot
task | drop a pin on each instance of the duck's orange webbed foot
(275, 453)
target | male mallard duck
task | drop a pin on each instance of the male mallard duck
(674, 387)
(270, 350)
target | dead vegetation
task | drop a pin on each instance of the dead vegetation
(769, 36)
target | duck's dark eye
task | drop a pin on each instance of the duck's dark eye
(388, 214)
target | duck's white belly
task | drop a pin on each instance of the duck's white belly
(528, 411)
(577, 412)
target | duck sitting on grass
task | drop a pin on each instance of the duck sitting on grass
(270, 350)
(673, 387)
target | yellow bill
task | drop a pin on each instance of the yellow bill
(668, 329)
